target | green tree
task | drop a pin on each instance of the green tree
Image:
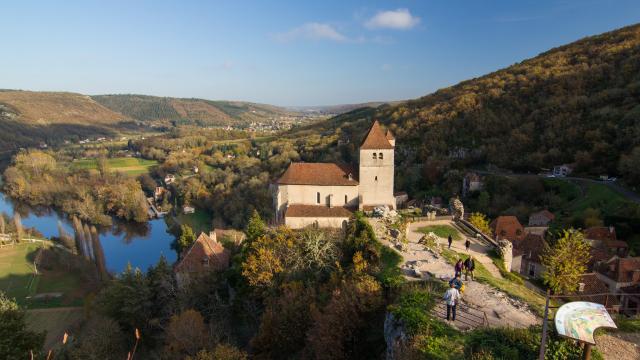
(187, 237)
(256, 227)
(481, 222)
(566, 261)
(15, 340)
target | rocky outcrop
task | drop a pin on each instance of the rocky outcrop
(395, 336)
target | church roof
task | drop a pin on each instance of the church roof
(325, 174)
(318, 211)
(376, 138)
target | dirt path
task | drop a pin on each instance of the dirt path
(619, 346)
(501, 310)
(477, 249)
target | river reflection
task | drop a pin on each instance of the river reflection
(138, 244)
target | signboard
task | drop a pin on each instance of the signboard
(579, 319)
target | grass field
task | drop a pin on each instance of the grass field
(129, 166)
(55, 322)
(17, 279)
(442, 231)
(199, 221)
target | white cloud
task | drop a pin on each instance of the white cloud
(399, 19)
(312, 31)
(386, 67)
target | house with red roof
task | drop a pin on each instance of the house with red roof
(541, 218)
(507, 227)
(205, 254)
(327, 194)
(604, 238)
(527, 255)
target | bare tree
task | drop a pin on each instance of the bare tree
(2, 224)
(17, 220)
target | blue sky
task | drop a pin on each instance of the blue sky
(284, 52)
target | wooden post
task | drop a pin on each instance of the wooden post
(586, 354)
(545, 324)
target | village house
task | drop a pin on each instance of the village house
(188, 209)
(541, 218)
(562, 170)
(326, 194)
(169, 179)
(591, 288)
(471, 182)
(507, 227)
(205, 254)
(620, 272)
(605, 239)
(527, 254)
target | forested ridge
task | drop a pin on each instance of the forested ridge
(198, 111)
(578, 103)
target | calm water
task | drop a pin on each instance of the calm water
(140, 245)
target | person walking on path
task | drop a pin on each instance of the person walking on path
(457, 283)
(467, 244)
(451, 297)
(458, 268)
(450, 240)
(469, 266)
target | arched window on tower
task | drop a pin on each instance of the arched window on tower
(318, 197)
(376, 178)
(375, 156)
(380, 156)
(345, 199)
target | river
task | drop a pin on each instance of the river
(138, 244)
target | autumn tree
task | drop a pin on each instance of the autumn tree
(284, 322)
(17, 221)
(566, 261)
(481, 222)
(185, 334)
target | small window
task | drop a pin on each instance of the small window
(376, 178)
(532, 270)
(380, 156)
(205, 261)
(518, 232)
(503, 232)
(345, 199)
(375, 156)
(318, 197)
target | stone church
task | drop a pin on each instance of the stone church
(327, 194)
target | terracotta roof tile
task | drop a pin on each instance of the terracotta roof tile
(317, 211)
(376, 139)
(508, 227)
(389, 135)
(204, 254)
(600, 233)
(326, 174)
(531, 246)
(593, 285)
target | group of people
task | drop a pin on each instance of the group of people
(456, 287)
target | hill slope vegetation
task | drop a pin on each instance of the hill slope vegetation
(578, 103)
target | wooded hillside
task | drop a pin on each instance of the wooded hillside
(199, 111)
(578, 103)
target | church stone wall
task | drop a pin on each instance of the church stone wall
(301, 222)
(308, 195)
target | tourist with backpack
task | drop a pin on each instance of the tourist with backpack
(469, 266)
